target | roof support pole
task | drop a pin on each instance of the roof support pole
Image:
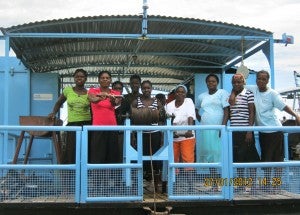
(5, 113)
(271, 61)
(6, 81)
(144, 23)
(223, 79)
(268, 51)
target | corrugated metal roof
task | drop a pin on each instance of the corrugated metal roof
(165, 61)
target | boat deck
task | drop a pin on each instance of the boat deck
(64, 203)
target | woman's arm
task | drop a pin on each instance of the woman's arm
(249, 135)
(94, 98)
(189, 133)
(57, 105)
(198, 116)
(293, 113)
(225, 115)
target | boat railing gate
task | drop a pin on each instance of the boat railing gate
(85, 182)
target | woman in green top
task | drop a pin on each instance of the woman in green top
(78, 111)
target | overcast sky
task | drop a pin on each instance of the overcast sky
(277, 16)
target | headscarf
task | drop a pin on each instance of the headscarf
(181, 85)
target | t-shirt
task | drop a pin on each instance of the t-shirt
(103, 111)
(181, 113)
(239, 112)
(212, 106)
(78, 106)
(265, 106)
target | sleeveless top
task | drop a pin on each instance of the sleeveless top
(153, 106)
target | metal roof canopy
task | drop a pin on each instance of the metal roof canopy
(165, 50)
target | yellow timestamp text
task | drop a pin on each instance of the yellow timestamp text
(242, 181)
(220, 182)
(274, 182)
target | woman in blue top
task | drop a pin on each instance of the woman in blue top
(215, 106)
(266, 102)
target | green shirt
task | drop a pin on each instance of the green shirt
(78, 106)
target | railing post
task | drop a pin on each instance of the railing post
(286, 146)
(84, 161)
(229, 168)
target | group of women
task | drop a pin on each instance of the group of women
(95, 106)
(99, 106)
(105, 106)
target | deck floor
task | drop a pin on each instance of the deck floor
(243, 203)
(151, 196)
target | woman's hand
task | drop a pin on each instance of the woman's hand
(232, 98)
(51, 115)
(102, 96)
(97, 97)
(175, 135)
(188, 134)
(198, 116)
(115, 99)
(297, 119)
(249, 137)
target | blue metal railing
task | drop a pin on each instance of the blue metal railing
(132, 169)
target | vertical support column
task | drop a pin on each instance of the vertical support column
(271, 62)
(5, 100)
(223, 79)
(286, 146)
(128, 152)
(6, 82)
(81, 142)
(268, 50)
(227, 167)
(84, 162)
(144, 23)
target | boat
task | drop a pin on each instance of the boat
(166, 50)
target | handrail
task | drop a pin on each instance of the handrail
(290, 129)
(81, 166)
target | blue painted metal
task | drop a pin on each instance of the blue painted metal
(286, 147)
(226, 153)
(229, 192)
(15, 99)
(44, 91)
(6, 83)
(84, 168)
(81, 167)
(271, 63)
(5, 97)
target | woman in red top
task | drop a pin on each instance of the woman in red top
(103, 147)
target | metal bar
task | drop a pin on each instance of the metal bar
(137, 36)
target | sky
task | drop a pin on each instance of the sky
(277, 16)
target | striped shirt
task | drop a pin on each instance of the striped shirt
(140, 104)
(153, 106)
(239, 112)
